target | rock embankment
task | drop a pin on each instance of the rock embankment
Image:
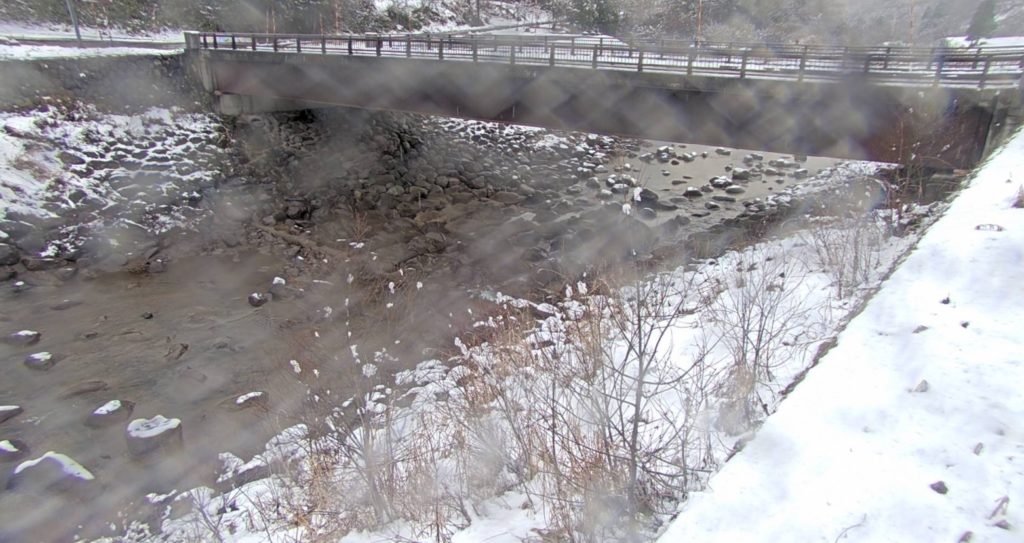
(123, 84)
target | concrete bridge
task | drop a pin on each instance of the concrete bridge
(936, 107)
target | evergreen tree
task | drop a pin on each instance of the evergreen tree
(984, 22)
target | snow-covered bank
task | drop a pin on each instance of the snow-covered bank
(923, 388)
(103, 170)
(24, 30)
(14, 51)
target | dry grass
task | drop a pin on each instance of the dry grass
(359, 227)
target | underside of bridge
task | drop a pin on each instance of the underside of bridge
(854, 118)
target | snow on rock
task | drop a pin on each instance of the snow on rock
(145, 436)
(51, 471)
(24, 338)
(251, 396)
(40, 361)
(858, 451)
(112, 412)
(257, 299)
(248, 400)
(8, 412)
(284, 448)
(12, 450)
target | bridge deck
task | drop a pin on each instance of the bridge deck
(992, 68)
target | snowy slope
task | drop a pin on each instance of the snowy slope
(10, 51)
(25, 30)
(853, 453)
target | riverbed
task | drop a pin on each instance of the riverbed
(361, 259)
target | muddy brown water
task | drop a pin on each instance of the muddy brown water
(205, 345)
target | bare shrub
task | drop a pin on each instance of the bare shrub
(848, 250)
(598, 410)
(759, 313)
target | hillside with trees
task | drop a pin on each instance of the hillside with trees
(806, 21)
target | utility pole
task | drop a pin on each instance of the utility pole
(913, 34)
(74, 20)
(700, 14)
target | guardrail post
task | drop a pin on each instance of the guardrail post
(551, 58)
(298, 44)
(888, 53)
(640, 61)
(689, 60)
(661, 47)
(379, 44)
(867, 63)
(572, 47)
(275, 44)
(205, 44)
(408, 45)
(215, 41)
(512, 54)
(253, 42)
(600, 45)
(743, 64)
(593, 61)
(938, 67)
(323, 45)
(977, 57)
(803, 64)
(440, 50)
(430, 44)
(233, 46)
(350, 45)
(474, 51)
(931, 57)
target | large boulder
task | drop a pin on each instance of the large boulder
(40, 361)
(147, 436)
(9, 255)
(23, 338)
(51, 471)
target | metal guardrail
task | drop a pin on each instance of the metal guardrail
(983, 68)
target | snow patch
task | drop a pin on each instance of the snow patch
(69, 466)
(108, 408)
(146, 428)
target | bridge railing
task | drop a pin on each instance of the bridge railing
(995, 67)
